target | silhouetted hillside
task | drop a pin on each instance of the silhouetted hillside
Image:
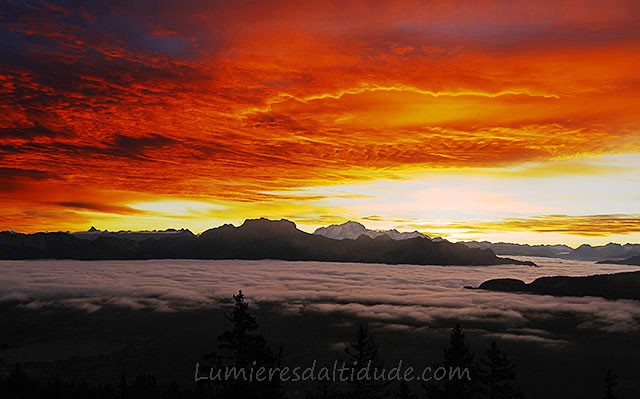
(254, 239)
(611, 286)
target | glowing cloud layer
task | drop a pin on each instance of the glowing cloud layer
(409, 297)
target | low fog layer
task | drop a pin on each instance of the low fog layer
(398, 297)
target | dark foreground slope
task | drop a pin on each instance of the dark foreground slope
(254, 239)
(610, 286)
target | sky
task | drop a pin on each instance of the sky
(507, 121)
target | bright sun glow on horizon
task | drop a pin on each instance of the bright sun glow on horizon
(493, 205)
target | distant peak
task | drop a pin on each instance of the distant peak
(355, 226)
(353, 230)
(92, 229)
(349, 225)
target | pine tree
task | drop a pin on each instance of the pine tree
(244, 348)
(611, 382)
(497, 375)
(457, 356)
(362, 354)
(242, 342)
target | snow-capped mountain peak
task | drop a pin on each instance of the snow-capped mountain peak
(352, 230)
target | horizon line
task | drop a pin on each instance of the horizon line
(92, 228)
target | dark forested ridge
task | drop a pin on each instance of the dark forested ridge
(610, 286)
(254, 239)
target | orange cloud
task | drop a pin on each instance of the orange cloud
(583, 225)
(243, 103)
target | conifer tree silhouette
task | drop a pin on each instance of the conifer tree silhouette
(457, 356)
(243, 347)
(362, 354)
(610, 382)
(497, 375)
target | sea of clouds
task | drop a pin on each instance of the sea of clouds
(394, 297)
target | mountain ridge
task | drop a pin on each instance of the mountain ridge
(352, 230)
(584, 252)
(609, 253)
(253, 240)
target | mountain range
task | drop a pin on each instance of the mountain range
(172, 243)
(94, 233)
(352, 230)
(612, 251)
(254, 239)
(586, 252)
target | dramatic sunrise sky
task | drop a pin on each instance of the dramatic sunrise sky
(510, 120)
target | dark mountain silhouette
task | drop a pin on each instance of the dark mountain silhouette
(254, 239)
(634, 261)
(610, 286)
(505, 248)
(584, 252)
(609, 251)
(94, 233)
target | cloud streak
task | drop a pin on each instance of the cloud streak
(582, 225)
